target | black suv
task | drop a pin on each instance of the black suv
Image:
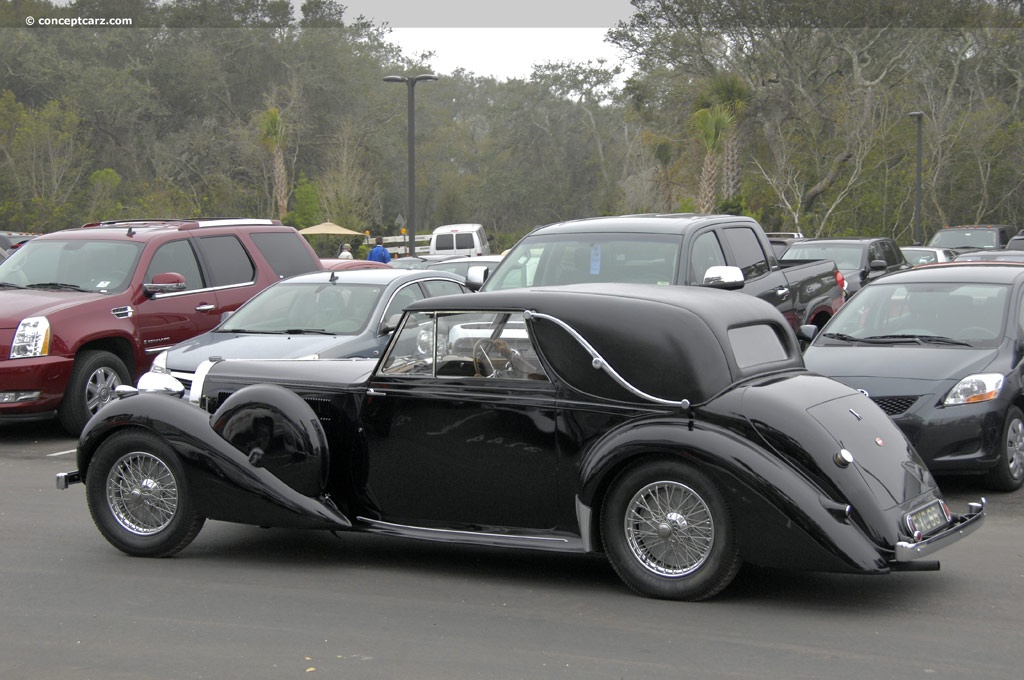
(860, 259)
(966, 237)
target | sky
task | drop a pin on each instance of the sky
(501, 39)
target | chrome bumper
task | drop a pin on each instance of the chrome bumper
(962, 526)
(66, 479)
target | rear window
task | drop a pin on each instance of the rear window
(756, 345)
(285, 252)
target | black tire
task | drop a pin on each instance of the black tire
(1008, 474)
(668, 532)
(139, 497)
(93, 378)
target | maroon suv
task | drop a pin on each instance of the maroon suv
(84, 310)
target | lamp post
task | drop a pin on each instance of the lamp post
(411, 84)
(917, 189)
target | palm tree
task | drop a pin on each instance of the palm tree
(730, 91)
(272, 135)
(711, 126)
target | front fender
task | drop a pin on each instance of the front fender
(781, 518)
(225, 484)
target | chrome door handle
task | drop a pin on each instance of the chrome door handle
(205, 308)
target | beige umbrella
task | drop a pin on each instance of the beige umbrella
(329, 228)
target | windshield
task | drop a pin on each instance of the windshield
(972, 313)
(966, 238)
(342, 309)
(94, 266)
(562, 259)
(845, 255)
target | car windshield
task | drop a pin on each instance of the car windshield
(917, 256)
(845, 255)
(342, 309)
(73, 264)
(965, 238)
(972, 313)
(574, 258)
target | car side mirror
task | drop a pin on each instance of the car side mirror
(724, 277)
(475, 277)
(807, 332)
(390, 324)
(168, 282)
(878, 265)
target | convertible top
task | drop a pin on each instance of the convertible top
(669, 341)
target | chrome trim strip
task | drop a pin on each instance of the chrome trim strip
(157, 350)
(599, 362)
(966, 524)
(459, 532)
(195, 291)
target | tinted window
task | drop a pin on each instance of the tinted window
(444, 242)
(464, 240)
(746, 248)
(756, 345)
(227, 260)
(706, 253)
(286, 253)
(437, 288)
(177, 257)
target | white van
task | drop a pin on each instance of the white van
(460, 240)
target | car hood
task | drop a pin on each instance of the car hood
(898, 362)
(19, 304)
(188, 355)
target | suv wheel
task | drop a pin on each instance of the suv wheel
(93, 378)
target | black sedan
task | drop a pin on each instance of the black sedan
(539, 419)
(939, 348)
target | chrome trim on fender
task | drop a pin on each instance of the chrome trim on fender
(407, 530)
(963, 525)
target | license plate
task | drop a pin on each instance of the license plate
(928, 518)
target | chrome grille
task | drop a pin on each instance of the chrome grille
(894, 406)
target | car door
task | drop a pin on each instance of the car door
(772, 286)
(165, 319)
(449, 446)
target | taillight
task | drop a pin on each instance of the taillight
(840, 280)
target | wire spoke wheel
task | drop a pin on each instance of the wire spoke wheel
(669, 529)
(142, 493)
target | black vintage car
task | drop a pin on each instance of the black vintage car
(674, 429)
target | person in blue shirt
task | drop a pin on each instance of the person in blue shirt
(379, 253)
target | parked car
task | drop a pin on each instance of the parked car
(532, 418)
(919, 255)
(782, 244)
(860, 259)
(461, 265)
(85, 310)
(417, 261)
(991, 256)
(12, 240)
(938, 348)
(1015, 243)
(312, 316)
(460, 240)
(973, 236)
(721, 251)
(337, 264)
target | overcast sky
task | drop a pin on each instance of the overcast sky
(497, 39)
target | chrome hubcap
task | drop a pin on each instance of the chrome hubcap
(142, 493)
(100, 388)
(1015, 449)
(669, 529)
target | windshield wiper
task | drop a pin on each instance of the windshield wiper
(841, 336)
(55, 284)
(312, 331)
(919, 339)
(4, 284)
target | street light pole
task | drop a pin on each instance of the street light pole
(411, 84)
(917, 190)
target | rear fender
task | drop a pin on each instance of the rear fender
(781, 518)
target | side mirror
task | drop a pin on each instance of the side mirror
(724, 277)
(807, 332)
(878, 265)
(168, 282)
(390, 324)
(475, 277)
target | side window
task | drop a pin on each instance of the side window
(402, 299)
(893, 255)
(286, 252)
(746, 248)
(875, 253)
(177, 257)
(438, 288)
(227, 260)
(706, 253)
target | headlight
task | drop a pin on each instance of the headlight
(160, 363)
(975, 388)
(32, 339)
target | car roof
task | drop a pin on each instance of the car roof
(476, 258)
(143, 229)
(374, 276)
(844, 239)
(666, 340)
(655, 223)
(967, 272)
